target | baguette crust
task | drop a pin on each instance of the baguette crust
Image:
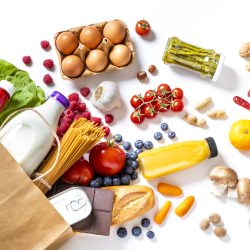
(130, 202)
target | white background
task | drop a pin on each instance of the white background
(221, 25)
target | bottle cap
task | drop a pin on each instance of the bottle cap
(212, 147)
(7, 86)
(61, 98)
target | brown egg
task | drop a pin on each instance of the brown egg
(67, 43)
(91, 37)
(72, 66)
(120, 55)
(96, 60)
(114, 31)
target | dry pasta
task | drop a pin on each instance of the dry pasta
(79, 139)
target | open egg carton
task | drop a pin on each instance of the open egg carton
(92, 49)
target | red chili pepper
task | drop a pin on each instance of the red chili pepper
(243, 103)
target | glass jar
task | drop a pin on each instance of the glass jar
(206, 62)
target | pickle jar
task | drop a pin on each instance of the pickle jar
(206, 62)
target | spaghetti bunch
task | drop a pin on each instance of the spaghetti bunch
(79, 139)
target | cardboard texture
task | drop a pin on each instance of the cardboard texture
(82, 51)
(28, 220)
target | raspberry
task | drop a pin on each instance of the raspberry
(73, 106)
(27, 60)
(86, 115)
(106, 130)
(58, 131)
(85, 91)
(77, 117)
(82, 107)
(67, 119)
(45, 44)
(69, 114)
(109, 118)
(73, 97)
(47, 79)
(48, 64)
(97, 121)
(64, 127)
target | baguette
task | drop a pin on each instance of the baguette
(130, 202)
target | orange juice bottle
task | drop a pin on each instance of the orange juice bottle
(175, 157)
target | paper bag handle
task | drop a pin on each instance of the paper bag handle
(41, 176)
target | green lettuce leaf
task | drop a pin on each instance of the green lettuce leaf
(27, 94)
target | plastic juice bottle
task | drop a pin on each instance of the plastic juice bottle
(6, 91)
(27, 138)
(175, 157)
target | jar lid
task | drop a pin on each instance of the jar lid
(61, 98)
(7, 86)
(219, 68)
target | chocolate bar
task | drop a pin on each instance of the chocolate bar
(99, 221)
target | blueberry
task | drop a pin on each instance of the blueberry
(164, 126)
(94, 184)
(122, 232)
(136, 231)
(129, 170)
(107, 181)
(139, 144)
(127, 145)
(125, 179)
(171, 134)
(99, 180)
(133, 155)
(158, 135)
(138, 151)
(127, 156)
(116, 181)
(150, 234)
(134, 165)
(148, 145)
(134, 176)
(117, 138)
(145, 222)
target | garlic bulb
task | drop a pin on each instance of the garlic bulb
(106, 96)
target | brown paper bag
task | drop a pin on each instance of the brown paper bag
(28, 220)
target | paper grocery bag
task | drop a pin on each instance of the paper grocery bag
(28, 220)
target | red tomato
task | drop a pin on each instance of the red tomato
(150, 95)
(142, 27)
(177, 93)
(107, 158)
(136, 101)
(177, 105)
(163, 90)
(149, 111)
(137, 117)
(162, 105)
(81, 172)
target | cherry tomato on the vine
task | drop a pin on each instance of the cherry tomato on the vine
(149, 111)
(137, 117)
(150, 95)
(177, 93)
(177, 105)
(162, 105)
(136, 101)
(163, 90)
(142, 27)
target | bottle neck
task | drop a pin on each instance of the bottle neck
(51, 110)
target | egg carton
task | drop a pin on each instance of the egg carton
(106, 45)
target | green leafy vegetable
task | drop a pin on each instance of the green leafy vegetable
(191, 57)
(27, 94)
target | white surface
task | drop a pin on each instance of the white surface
(221, 25)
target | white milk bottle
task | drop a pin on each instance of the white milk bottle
(27, 137)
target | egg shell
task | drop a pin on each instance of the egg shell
(91, 37)
(114, 31)
(72, 66)
(66, 43)
(120, 55)
(96, 60)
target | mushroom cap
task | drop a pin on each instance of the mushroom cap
(224, 175)
(243, 190)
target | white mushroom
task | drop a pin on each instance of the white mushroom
(243, 191)
(223, 177)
